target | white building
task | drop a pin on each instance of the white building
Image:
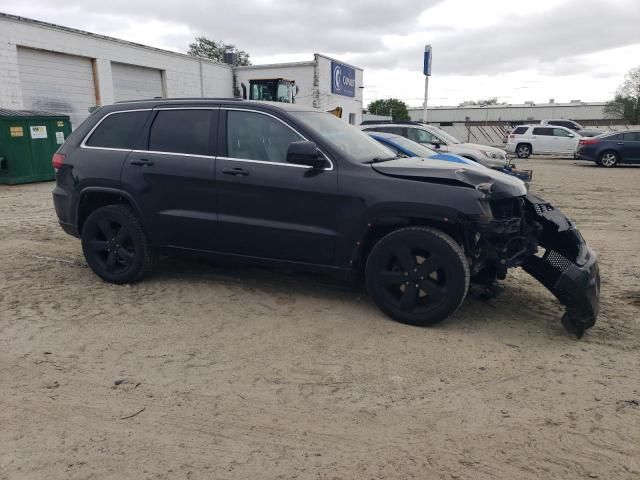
(321, 83)
(63, 70)
(582, 112)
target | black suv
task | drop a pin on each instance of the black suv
(280, 184)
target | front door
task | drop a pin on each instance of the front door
(172, 177)
(267, 207)
(564, 141)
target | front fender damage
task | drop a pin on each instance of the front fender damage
(568, 268)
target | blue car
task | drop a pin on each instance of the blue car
(610, 149)
(403, 146)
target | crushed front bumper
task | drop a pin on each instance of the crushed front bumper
(568, 267)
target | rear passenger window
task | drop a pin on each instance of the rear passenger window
(632, 137)
(181, 131)
(118, 130)
(395, 130)
(520, 131)
(254, 136)
(543, 131)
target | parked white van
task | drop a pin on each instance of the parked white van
(528, 139)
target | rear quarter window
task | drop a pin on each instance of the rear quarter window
(119, 130)
(520, 130)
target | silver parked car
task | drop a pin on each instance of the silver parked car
(440, 141)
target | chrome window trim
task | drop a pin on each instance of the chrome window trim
(155, 152)
(264, 162)
(326, 157)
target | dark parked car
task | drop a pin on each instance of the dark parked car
(280, 184)
(611, 149)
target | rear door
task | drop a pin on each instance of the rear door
(631, 148)
(267, 207)
(172, 177)
(542, 139)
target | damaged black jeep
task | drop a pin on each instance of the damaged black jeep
(279, 184)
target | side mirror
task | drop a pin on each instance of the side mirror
(436, 145)
(571, 135)
(305, 153)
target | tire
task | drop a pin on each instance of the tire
(417, 275)
(523, 150)
(608, 159)
(116, 246)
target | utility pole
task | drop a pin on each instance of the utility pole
(426, 69)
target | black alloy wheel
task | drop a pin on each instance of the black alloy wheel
(115, 245)
(417, 275)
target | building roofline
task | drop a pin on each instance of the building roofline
(512, 105)
(338, 60)
(276, 65)
(53, 26)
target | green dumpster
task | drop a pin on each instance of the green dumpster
(28, 140)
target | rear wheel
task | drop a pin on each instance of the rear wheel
(417, 275)
(523, 150)
(115, 245)
(608, 159)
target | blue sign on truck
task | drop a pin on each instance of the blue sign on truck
(343, 80)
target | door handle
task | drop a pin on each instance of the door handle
(235, 171)
(142, 162)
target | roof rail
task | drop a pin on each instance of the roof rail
(179, 99)
(378, 122)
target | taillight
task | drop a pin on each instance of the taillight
(588, 141)
(58, 160)
(512, 136)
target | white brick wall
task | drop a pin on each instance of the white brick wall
(329, 100)
(181, 73)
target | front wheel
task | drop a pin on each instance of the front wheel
(417, 275)
(115, 245)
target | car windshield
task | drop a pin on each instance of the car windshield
(414, 147)
(450, 139)
(357, 145)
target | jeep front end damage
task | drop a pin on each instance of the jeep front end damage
(531, 233)
(568, 267)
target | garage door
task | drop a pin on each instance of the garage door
(55, 82)
(131, 82)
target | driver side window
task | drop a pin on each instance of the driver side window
(559, 132)
(254, 136)
(422, 136)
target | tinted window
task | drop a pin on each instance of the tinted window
(181, 131)
(543, 131)
(618, 136)
(118, 130)
(631, 137)
(254, 136)
(422, 136)
(395, 130)
(559, 132)
(520, 131)
(564, 123)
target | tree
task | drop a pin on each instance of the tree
(393, 107)
(205, 48)
(488, 101)
(626, 103)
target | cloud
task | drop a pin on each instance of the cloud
(472, 39)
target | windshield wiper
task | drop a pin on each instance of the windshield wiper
(379, 159)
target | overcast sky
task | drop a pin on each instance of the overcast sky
(514, 50)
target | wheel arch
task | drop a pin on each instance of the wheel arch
(382, 225)
(92, 198)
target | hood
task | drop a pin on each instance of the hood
(492, 183)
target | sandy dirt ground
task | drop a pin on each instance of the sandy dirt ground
(243, 373)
